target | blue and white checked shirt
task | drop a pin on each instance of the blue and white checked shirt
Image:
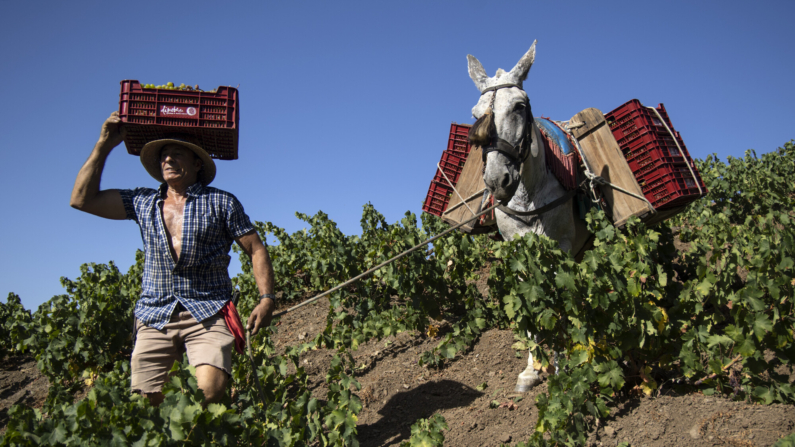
(199, 279)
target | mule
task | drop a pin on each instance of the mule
(515, 171)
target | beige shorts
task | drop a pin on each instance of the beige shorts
(207, 343)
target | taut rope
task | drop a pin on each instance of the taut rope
(350, 281)
(385, 263)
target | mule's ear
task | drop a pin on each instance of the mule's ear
(523, 66)
(476, 72)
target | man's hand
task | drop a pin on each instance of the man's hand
(113, 132)
(261, 316)
(86, 195)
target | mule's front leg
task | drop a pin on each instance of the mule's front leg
(529, 377)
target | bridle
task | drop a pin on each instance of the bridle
(518, 152)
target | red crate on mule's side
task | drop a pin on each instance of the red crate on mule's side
(438, 198)
(668, 177)
(210, 120)
(458, 142)
(672, 185)
(452, 163)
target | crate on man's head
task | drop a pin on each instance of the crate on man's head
(210, 120)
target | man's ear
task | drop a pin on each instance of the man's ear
(198, 162)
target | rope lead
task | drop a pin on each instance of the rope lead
(350, 281)
(385, 263)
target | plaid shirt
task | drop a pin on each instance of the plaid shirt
(199, 279)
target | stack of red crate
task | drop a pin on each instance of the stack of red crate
(452, 163)
(662, 171)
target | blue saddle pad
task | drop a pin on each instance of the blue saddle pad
(552, 131)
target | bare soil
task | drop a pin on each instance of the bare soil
(20, 383)
(396, 391)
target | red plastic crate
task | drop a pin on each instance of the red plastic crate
(458, 142)
(458, 145)
(652, 154)
(649, 135)
(452, 163)
(460, 129)
(671, 188)
(658, 167)
(633, 112)
(209, 120)
(633, 119)
(679, 170)
(438, 198)
(452, 174)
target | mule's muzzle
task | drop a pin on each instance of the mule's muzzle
(501, 176)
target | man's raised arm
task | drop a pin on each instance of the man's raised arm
(86, 195)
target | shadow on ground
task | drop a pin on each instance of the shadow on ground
(404, 408)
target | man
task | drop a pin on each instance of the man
(187, 229)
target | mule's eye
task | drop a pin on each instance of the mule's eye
(519, 107)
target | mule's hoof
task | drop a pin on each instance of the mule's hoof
(526, 384)
(521, 388)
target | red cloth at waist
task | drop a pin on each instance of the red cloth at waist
(235, 326)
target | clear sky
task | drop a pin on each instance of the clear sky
(344, 103)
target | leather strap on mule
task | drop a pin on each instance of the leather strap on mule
(549, 206)
(497, 87)
(518, 152)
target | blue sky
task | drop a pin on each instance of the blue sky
(344, 103)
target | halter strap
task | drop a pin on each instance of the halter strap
(549, 206)
(497, 87)
(518, 152)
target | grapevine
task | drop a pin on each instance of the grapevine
(633, 316)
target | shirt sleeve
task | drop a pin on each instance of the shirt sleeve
(133, 200)
(237, 222)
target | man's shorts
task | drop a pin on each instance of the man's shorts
(207, 343)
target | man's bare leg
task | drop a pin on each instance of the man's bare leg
(212, 381)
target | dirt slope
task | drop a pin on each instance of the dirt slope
(20, 383)
(396, 392)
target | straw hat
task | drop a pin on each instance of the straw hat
(150, 158)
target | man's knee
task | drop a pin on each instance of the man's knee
(212, 381)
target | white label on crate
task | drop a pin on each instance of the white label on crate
(177, 111)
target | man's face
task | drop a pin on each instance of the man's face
(179, 164)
